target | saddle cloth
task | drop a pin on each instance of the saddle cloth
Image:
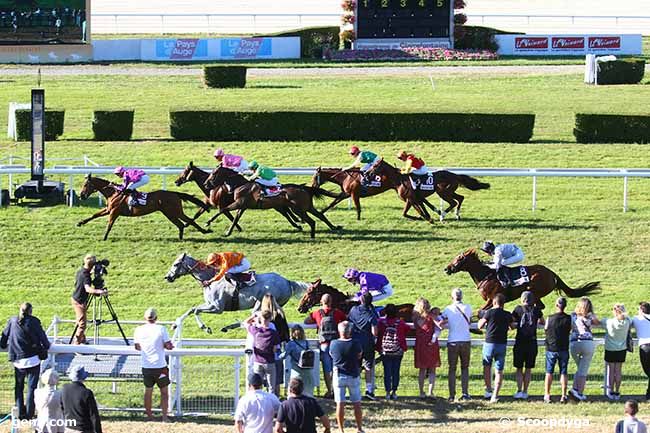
(374, 182)
(272, 191)
(141, 199)
(423, 182)
(518, 275)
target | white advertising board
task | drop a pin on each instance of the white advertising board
(568, 45)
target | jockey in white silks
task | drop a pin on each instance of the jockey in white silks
(503, 255)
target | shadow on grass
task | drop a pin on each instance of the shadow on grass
(530, 225)
(272, 86)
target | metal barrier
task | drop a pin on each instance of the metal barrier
(533, 173)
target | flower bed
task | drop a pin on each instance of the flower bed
(411, 53)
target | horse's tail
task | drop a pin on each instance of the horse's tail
(472, 183)
(191, 198)
(298, 288)
(585, 290)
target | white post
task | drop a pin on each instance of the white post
(625, 181)
(1, 190)
(164, 182)
(237, 379)
(534, 191)
(71, 190)
(349, 203)
(179, 383)
(11, 176)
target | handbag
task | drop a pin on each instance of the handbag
(40, 350)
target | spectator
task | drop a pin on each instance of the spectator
(526, 317)
(346, 354)
(265, 343)
(79, 405)
(293, 349)
(641, 324)
(27, 344)
(151, 340)
(364, 329)
(427, 348)
(298, 413)
(83, 289)
(48, 405)
(630, 424)
(391, 344)
(327, 320)
(278, 319)
(457, 317)
(617, 329)
(256, 409)
(557, 329)
(582, 345)
(498, 322)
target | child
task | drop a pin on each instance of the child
(292, 350)
(427, 348)
(630, 424)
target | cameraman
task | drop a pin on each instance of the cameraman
(82, 289)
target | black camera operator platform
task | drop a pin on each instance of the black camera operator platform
(98, 302)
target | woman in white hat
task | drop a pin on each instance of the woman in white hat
(48, 405)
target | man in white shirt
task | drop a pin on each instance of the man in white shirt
(642, 325)
(457, 315)
(256, 409)
(152, 340)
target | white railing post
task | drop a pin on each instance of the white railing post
(179, 385)
(534, 208)
(162, 24)
(116, 26)
(71, 190)
(624, 191)
(237, 384)
(1, 190)
(164, 182)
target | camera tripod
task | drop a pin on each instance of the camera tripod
(98, 319)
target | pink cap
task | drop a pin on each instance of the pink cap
(119, 170)
(219, 153)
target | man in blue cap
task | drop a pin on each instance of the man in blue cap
(79, 405)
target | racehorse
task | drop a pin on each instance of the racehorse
(218, 295)
(248, 195)
(350, 183)
(170, 203)
(542, 281)
(446, 184)
(340, 300)
(219, 197)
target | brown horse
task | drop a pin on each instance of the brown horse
(340, 300)
(542, 281)
(350, 183)
(249, 195)
(170, 203)
(446, 184)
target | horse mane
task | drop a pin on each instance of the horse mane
(470, 252)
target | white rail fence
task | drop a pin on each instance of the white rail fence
(533, 173)
(257, 23)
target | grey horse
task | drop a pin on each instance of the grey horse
(218, 295)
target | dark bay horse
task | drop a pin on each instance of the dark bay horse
(446, 184)
(170, 203)
(342, 301)
(350, 183)
(249, 195)
(542, 281)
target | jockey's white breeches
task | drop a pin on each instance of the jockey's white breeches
(264, 182)
(506, 261)
(370, 164)
(377, 295)
(142, 182)
(421, 171)
(242, 267)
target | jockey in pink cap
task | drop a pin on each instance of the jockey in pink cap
(377, 284)
(133, 178)
(233, 162)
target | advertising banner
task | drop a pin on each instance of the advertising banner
(173, 50)
(568, 45)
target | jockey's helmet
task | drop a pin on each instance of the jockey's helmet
(119, 170)
(488, 247)
(213, 258)
(254, 165)
(351, 274)
(219, 153)
(401, 155)
(354, 151)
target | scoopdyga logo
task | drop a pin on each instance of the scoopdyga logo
(531, 43)
(568, 43)
(605, 42)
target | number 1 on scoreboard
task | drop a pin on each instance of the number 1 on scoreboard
(422, 3)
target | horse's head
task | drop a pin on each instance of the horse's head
(186, 175)
(461, 262)
(316, 180)
(311, 297)
(178, 268)
(87, 188)
(218, 177)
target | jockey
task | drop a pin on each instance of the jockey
(133, 178)
(362, 157)
(414, 165)
(233, 162)
(377, 284)
(502, 256)
(263, 176)
(226, 264)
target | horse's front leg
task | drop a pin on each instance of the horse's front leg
(96, 215)
(111, 220)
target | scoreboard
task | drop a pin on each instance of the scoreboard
(406, 21)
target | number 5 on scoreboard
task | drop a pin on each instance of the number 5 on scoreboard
(440, 3)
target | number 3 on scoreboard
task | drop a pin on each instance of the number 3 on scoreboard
(402, 3)
(384, 3)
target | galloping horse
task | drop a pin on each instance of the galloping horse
(542, 281)
(340, 300)
(170, 203)
(350, 183)
(218, 295)
(446, 184)
(248, 195)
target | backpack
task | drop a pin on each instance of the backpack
(390, 342)
(327, 330)
(306, 359)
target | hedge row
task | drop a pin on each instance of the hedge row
(107, 125)
(621, 71)
(224, 76)
(322, 126)
(612, 128)
(53, 124)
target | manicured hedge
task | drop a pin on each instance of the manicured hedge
(113, 125)
(321, 126)
(622, 71)
(222, 77)
(612, 128)
(53, 124)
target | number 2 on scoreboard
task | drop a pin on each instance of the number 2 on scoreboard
(384, 3)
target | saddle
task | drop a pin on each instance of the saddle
(423, 182)
(140, 199)
(272, 191)
(513, 277)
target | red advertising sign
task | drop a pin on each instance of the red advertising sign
(531, 43)
(605, 42)
(568, 43)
